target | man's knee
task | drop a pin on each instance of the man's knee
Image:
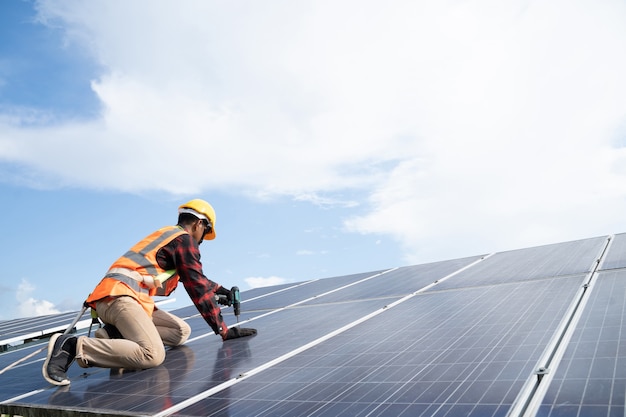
(185, 333)
(180, 336)
(153, 356)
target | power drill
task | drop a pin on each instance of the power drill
(234, 300)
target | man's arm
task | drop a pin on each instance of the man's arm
(186, 258)
(201, 290)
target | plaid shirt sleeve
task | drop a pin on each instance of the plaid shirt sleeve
(184, 253)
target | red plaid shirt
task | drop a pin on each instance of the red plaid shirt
(183, 254)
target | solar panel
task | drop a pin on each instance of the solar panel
(590, 380)
(20, 330)
(616, 257)
(533, 263)
(459, 337)
(461, 351)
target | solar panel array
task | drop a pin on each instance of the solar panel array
(535, 331)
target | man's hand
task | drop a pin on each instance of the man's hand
(223, 296)
(236, 332)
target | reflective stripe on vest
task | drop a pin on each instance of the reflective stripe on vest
(146, 281)
(140, 257)
(128, 281)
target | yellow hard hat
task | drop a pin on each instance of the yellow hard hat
(202, 210)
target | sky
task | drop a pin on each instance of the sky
(331, 137)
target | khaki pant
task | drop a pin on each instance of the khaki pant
(144, 337)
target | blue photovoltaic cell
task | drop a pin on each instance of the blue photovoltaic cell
(616, 257)
(14, 328)
(591, 378)
(260, 300)
(24, 377)
(530, 264)
(295, 294)
(464, 352)
(400, 282)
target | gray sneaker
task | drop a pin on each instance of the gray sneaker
(61, 354)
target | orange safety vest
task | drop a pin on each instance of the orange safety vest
(137, 273)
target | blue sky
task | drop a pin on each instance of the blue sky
(332, 137)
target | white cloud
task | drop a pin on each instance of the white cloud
(256, 282)
(27, 306)
(470, 125)
(321, 201)
(304, 252)
(517, 140)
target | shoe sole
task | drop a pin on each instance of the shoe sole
(44, 369)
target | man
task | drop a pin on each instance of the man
(135, 331)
